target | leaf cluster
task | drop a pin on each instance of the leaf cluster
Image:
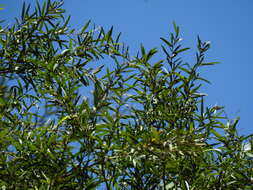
(78, 112)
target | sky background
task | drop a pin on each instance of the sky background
(226, 23)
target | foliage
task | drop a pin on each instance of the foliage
(78, 112)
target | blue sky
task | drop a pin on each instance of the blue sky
(225, 23)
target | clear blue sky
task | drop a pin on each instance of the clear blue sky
(225, 23)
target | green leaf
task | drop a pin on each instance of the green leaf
(176, 29)
(85, 27)
(97, 70)
(63, 120)
(181, 50)
(218, 135)
(166, 42)
(151, 53)
(143, 52)
(210, 63)
(108, 36)
(249, 154)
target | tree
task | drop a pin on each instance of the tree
(144, 125)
